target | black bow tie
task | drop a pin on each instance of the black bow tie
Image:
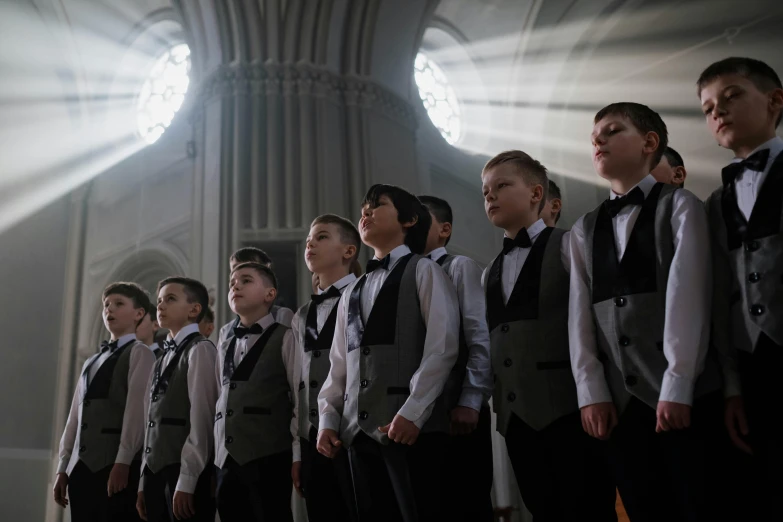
(242, 331)
(106, 345)
(320, 298)
(522, 240)
(614, 206)
(169, 344)
(757, 161)
(372, 264)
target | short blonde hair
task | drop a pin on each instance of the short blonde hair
(531, 170)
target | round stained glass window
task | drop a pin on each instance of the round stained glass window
(163, 92)
(439, 98)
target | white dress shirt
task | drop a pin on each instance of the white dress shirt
(688, 297)
(203, 396)
(132, 436)
(465, 274)
(281, 315)
(749, 182)
(293, 375)
(440, 312)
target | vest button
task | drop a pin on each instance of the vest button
(229, 413)
(754, 277)
(507, 363)
(620, 302)
(313, 412)
(751, 246)
(147, 450)
(229, 439)
(86, 403)
(631, 380)
(364, 383)
(82, 449)
(151, 424)
(154, 398)
(624, 341)
(756, 310)
(512, 397)
(363, 415)
(314, 384)
(316, 353)
(504, 328)
(366, 351)
(232, 386)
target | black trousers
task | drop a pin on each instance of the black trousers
(760, 374)
(468, 475)
(561, 471)
(664, 476)
(159, 491)
(259, 491)
(90, 502)
(327, 484)
(397, 482)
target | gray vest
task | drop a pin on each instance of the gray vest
(255, 404)
(529, 338)
(168, 421)
(383, 354)
(629, 300)
(102, 410)
(314, 350)
(754, 252)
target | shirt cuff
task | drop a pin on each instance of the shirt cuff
(141, 482)
(296, 449)
(593, 391)
(414, 412)
(124, 456)
(186, 483)
(472, 399)
(329, 421)
(676, 389)
(62, 467)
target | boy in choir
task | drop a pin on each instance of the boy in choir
(147, 330)
(207, 324)
(553, 207)
(180, 404)
(254, 255)
(560, 471)
(469, 386)
(671, 169)
(255, 425)
(396, 340)
(99, 448)
(742, 100)
(331, 251)
(638, 323)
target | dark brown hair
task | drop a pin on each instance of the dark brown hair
(349, 235)
(251, 255)
(133, 291)
(195, 291)
(644, 119)
(263, 270)
(532, 171)
(409, 208)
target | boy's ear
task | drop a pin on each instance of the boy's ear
(776, 101)
(271, 295)
(651, 143)
(556, 205)
(445, 230)
(195, 310)
(538, 193)
(140, 313)
(410, 223)
(350, 251)
(679, 175)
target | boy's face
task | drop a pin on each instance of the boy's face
(550, 211)
(738, 114)
(508, 200)
(381, 223)
(665, 173)
(119, 315)
(619, 148)
(248, 292)
(174, 310)
(324, 248)
(437, 235)
(146, 330)
(206, 328)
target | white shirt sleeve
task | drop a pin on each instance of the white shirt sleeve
(688, 299)
(294, 375)
(331, 399)
(132, 436)
(203, 394)
(68, 438)
(591, 386)
(440, 312)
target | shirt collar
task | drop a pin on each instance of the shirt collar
(396, 254)
(189, 329)
(646, 184)
(266, 321)
(153, 347)
(533, 230)
(775, 146)
(340, 284)
(125, 339)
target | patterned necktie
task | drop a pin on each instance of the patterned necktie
(522, 240)
(372, 264)
(757, 162)
(169, 345)
(614, 206)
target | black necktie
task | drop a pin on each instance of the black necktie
(106, 345)
(757, 161)
(522, 240)
(372, 264)
(241, 332)
(614, 206)
(169, 344)
(320, 298)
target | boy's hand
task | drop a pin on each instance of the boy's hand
(737, 423)
(463, 420)
(60, 489)
(599, 419)
(328, 443)
(184, 505)
(401, 430)
(141, 506)
(672, 416)
(118, 478)
(296, 472)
